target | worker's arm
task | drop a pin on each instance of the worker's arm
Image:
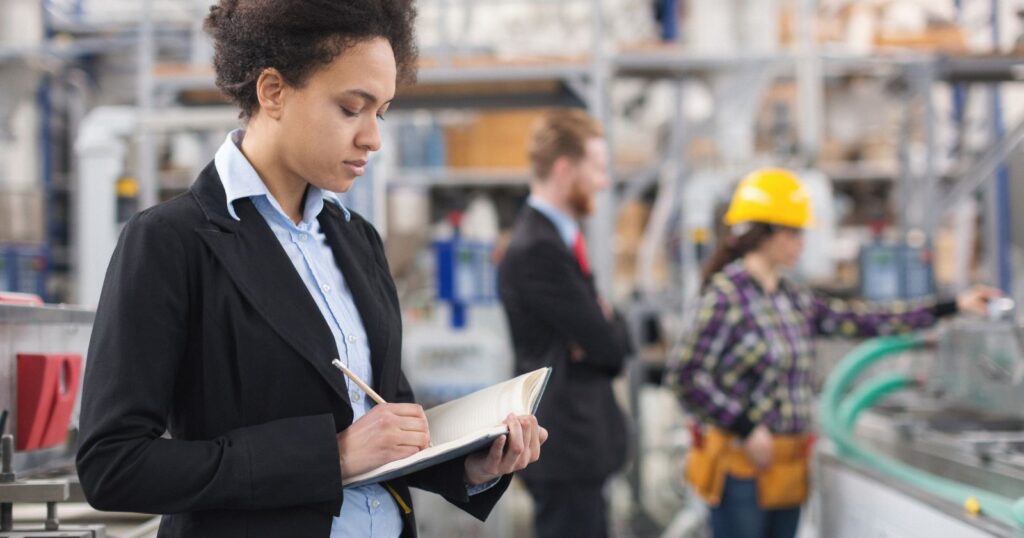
(551, 289)
(139, 344)
(838, 317)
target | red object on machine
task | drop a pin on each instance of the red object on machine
(47, 389)
(22, 299)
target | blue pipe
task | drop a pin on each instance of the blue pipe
(1004, 233)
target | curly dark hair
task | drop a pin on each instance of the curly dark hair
(297, 37)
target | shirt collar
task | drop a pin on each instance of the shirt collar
(241, 180)
(739, 275)
(567, 226)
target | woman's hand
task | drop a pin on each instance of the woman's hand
(508, 453)
(387, 433)
(758, 446)
(975, 300)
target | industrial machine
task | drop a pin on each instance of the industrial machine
(934, 450)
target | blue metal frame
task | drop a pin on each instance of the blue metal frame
(457, 255)
(14, 276)
(1004, 238)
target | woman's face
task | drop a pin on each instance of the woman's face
(329, 127)
(784, 247)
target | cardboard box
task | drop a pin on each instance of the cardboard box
(492, 140)
(21, 217)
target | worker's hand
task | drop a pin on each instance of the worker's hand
(576, 353)
(606, 309)
(387, 433)
(758, 446)
(508, 453)
(975, 300)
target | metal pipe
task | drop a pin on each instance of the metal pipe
(985, 167)
(1002, 209)
(601, 227)
(52, 523)
(6, 477)
(146, 167)
(810, 83)
(6, 459)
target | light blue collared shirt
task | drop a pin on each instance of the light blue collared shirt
(367, 511)
(567, 226)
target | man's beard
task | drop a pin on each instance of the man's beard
(581, 201)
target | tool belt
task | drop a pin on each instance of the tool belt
(716, 454)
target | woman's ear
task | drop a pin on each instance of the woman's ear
(270, 92)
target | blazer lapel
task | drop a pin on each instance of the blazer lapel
(353, 255)
(255, 261)
(543, 226)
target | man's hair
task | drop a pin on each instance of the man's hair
(297, 37)
(561, 133)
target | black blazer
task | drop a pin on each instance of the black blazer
(204, 330)
(550, 305)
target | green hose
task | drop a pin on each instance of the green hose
(839, 416)
(866, 394)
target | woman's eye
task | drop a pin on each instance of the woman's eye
(349, 113)
(380, 117)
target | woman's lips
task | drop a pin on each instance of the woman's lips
(357, 167)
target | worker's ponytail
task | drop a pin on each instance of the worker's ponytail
(741, 240)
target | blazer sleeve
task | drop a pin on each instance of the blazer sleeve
(139, 344)
(551, 288)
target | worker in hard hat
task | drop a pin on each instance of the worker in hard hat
(744, 365)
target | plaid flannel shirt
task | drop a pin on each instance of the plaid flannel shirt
(747, 356)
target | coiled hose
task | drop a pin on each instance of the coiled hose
(839, 414)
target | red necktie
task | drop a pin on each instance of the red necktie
(579, 248)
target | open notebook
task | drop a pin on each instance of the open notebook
(465, 425)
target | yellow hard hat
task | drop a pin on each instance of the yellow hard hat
(772, 196)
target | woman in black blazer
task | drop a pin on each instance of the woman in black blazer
(209, 394)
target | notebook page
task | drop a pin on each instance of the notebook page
(482, 409)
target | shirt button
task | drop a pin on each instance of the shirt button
(351, 338)
(302, 237)
(326, 288)
(355, 396)
(375, 503)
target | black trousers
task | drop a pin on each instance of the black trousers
(568, 509)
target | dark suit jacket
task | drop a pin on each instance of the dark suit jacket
(550, 305)
(205, 330)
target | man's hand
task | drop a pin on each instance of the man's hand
(606, 309)
(508, 453)
(758, 446)
(387, 433)
(576, 353)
